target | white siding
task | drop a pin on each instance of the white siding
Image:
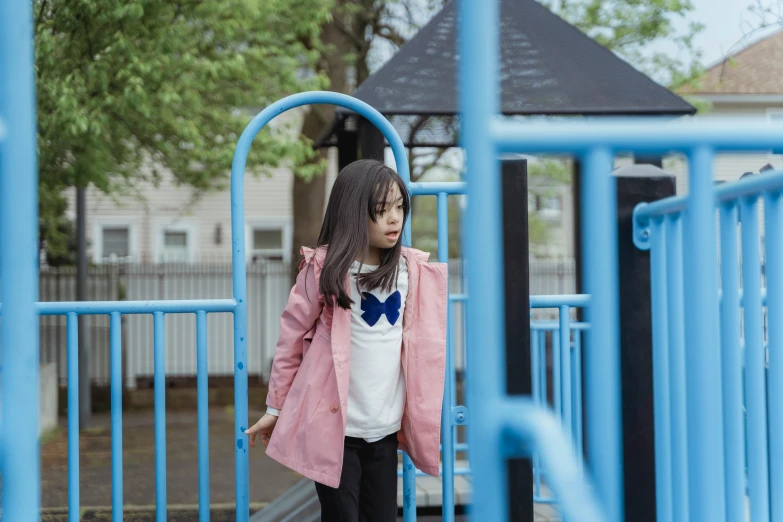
(151, 209)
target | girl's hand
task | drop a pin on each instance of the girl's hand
(263, 429)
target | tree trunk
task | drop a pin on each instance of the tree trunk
(309, 196)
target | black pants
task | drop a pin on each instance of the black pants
(368, 485)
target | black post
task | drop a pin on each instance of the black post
(636, 361)
(85, 386)
(517, 301)
(347, 148)
(371, 141)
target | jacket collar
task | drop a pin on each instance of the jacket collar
(319, 254)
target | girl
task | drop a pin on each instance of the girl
(359, 365)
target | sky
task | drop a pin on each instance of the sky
(725, 23)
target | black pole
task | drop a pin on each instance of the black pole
(371, 141)
(85, 388)
(636, 357)
(517, 301)
(347, 147)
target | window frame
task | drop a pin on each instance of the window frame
(115, 222)
(283, 224)
(161, 226)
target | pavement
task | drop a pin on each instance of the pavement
(268, 479)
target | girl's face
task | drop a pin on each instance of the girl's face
(385, 231)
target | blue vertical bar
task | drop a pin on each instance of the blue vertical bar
(160, 417)
(239, 277)
(486, 383)
(755, 360)
(534, 362)
(536, 384)
(732, 362)
(447, 427)
(661, 404)
(578, 388)
(602, 386)
(21, 495)
(574, 391)
(557, 375)
(677, 394)
(202, 391)
(74, 506)
(705, 446)
(565, 363)
(542, 369)
(115, 352)
(408, 489)
(773, 238)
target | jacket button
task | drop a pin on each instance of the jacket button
(334, 408)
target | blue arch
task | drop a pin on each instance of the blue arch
(238, 245)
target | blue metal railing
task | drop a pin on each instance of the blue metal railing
(749, 446)
(547, 338)
(563, 340)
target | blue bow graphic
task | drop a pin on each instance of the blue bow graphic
(373, 309)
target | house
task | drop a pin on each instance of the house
(747, 84)
(169, 223)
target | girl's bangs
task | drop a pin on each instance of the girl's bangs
(381, 190)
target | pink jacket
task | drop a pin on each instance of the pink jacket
(309, 378)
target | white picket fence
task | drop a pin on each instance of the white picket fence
(268, 288)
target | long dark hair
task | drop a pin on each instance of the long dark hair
(358, 192)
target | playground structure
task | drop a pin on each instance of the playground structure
(696, 313)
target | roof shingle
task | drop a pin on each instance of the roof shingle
(753, 70)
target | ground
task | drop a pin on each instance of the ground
(268, 479)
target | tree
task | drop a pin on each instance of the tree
(363, 33)
(631, 27)
(129, 89)
(347, 39)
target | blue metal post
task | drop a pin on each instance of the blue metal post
(602, 387)
(773, 229)
(447, 428)
(755, 361)
(679, 415)
(557, 375)
(19, 338)
(115, 349)
(731, 354)
(537, 400)
(486, 383)
(74, 513)
(705, 445)
(578, 389)
(159, 378)
(661, 389)
(565, 364)
(203, 415)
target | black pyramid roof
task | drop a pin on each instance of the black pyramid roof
(548, 67)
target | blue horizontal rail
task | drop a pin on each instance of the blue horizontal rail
(650, 135)
(136, 307)
(748, 186)
(435, 188)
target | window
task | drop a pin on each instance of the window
(268, 243)
(175, 247)
(268, 238)
(116, 242)
(175, 241)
